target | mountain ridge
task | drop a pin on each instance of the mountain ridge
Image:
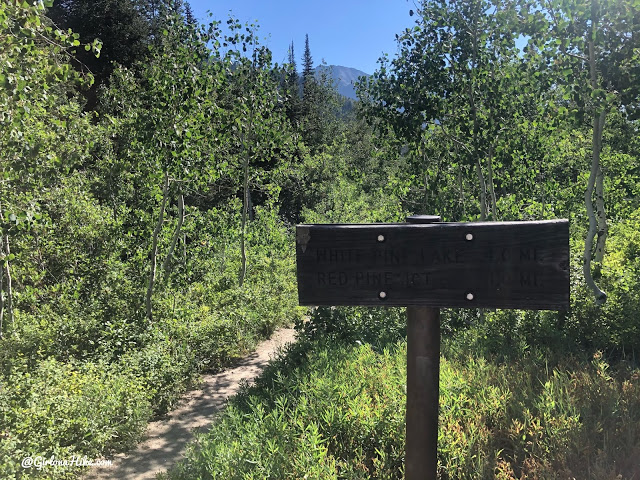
(343, 77)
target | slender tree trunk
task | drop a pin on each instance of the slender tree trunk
(1, 288)
(167, 261)
(596, 145)
(483, 211)
(476, 126)
(245, 203)
(7, 276)
(5, 285)
(492, 190)
(601, 215)
(154, 247)
(543, 193)
(492, 148)
(460, 186)
(245, 209)
(599, 122)
(483, 191)
(251, 213)
(426, 190)
(1, 276)
(601, 297)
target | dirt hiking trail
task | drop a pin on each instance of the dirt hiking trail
(167, 438)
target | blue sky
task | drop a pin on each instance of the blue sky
(351, 33)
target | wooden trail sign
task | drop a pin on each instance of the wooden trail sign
(424, 265)
(490, 264)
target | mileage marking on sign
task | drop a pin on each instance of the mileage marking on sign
(491, 264)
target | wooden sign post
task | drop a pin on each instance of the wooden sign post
(423, 385)
(424, 265)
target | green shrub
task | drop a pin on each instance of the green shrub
(378, 326)
(82, 376)
(63, 409)
(328, 410)
(613, 328)
(165, 367)
(314, 422)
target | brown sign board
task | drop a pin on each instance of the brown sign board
(475, 265)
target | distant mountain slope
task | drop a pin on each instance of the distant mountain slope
(344, 78)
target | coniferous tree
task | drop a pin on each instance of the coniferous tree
(309, 91)
(292, 89)
(125, 28)
(308, 78)
(120, 26)
(307, 63)
(292, 76)
(319, 103)
(189, 16)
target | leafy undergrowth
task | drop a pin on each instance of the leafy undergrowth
(330, 409)
(85, 382)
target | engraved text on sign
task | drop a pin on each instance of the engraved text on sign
(498, 265)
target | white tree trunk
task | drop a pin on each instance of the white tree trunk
(483, 191)
(1, 287)
(9, 286)
(243, 231)
(492, 190)
(167, 261)
(601, 297)
(601, 215)
(154, 248)
(461, 188)
(596, 146)
(6, 288)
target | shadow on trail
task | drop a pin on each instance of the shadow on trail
(168, 436)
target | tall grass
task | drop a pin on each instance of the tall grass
(334, 410)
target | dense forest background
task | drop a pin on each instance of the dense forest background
(152, 170)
